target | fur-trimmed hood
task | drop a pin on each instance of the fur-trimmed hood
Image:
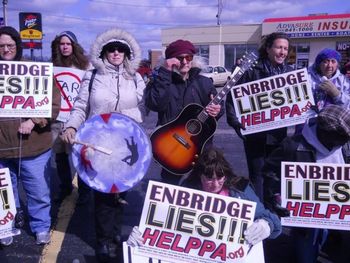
(115, 34)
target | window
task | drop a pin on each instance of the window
(203, 51)
(234, 52)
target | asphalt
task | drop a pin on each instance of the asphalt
(73, 238)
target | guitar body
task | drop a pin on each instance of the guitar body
(177, 144)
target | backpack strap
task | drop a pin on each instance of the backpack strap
(94, 71)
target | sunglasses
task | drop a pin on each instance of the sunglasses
(113, 49)
(188, 58)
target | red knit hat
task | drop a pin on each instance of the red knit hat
(179, 47)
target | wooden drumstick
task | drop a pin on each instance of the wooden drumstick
(97, 148)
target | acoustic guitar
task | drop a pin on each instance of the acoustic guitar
(177, 144)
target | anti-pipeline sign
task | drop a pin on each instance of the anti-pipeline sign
(185, 225)
(7, 205)
(68, 81)
(25, 89)
(317, 195)
(275, 102)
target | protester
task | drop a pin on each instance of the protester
(237, 64)
(272, 61)
(329, 86)
(320, 141)
(177, 84)
(25, 148)
(346, 70)
(116, 87)
(212, 173)
(67, 52)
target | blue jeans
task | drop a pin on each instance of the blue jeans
(35, 178)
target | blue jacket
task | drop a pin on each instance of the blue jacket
(260, 211)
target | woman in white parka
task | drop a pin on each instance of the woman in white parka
(116, 87)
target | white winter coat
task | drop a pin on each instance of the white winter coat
(113, 89)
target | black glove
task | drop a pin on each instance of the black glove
(273, 203)
(237, 126)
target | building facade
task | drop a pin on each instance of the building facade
(223, 44)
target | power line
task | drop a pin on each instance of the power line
(150, 6)
(120, 22)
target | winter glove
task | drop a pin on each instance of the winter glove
(135, 238)
(329, 88)
(237, 126)
(257, 232)
(273, 203)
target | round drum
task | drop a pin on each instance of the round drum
(112, 153)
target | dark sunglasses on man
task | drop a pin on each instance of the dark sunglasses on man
(188, 58)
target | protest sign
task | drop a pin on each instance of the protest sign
(7, 205)
(68, 82)
(317, 195)
(25, 89)
(184, 225)
(256, 255)
(274, 102)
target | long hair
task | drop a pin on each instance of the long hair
(78, 59)
(210, 162)
(267, 42)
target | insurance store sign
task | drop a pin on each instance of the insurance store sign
(309, 26)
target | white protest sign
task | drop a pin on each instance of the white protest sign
(275, 102)
(256, 255)
(185, 225)
(68, 81)
(25, 89)
(317, 195)
(7, 205)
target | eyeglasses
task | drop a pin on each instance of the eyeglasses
(212, 179)
(188, 58)
(9, 46)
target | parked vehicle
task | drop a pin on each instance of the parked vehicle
(218, 74)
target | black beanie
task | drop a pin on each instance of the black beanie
(13, 33)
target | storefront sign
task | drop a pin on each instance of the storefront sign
(30, 26)
(309, 26)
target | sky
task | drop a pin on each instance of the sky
(144, 19)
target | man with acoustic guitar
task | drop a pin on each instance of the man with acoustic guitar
(177, 84)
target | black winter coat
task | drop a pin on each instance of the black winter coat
(168, 93)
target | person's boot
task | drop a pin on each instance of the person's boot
(102, 253)
(19, 218)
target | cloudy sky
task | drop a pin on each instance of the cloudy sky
(145, 18)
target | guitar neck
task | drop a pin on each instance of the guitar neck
(236, 75)
(229, 85)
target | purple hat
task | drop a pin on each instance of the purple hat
(179, 47)
(70, 35)
(327, 53)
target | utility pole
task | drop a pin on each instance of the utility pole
(218, 16)
(4, 4)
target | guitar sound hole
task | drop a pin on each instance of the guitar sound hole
(193, 127)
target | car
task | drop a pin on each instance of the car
(218, 74)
